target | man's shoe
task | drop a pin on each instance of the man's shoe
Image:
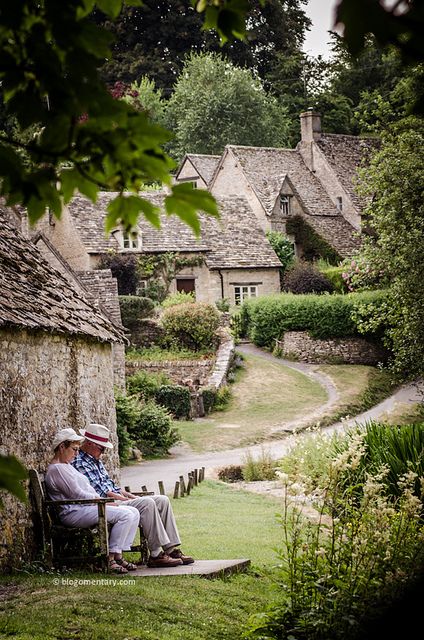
(177, 553)
(163, 560)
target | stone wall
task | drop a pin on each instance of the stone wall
(300, 346)
(178, 371)
(47, 382)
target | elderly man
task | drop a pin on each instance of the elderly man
(156, 515)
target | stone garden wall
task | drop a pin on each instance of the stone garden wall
(47, 382)
(299, 345)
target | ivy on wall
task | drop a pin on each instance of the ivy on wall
(313, 245)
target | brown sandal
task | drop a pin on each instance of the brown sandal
(116, 567)
(129, 566)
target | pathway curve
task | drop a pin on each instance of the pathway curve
(182, 459)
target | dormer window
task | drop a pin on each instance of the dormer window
(339, 203)
(284, 204)
(131, 240)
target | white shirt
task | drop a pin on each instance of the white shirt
(63, 482)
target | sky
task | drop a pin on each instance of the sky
(321, 14)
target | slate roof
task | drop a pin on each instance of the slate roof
(34, 295)
(205, 165)
(234, 241)
(345, 154)
(266, 168)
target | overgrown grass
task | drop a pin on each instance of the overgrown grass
(214, 522)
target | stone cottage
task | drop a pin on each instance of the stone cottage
(197, 169)
(307, 191)
(236, 260)
(56, 369)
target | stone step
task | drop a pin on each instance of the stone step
(207, 568)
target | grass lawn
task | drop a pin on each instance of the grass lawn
(265, 395)
(268, 394)
(216, 521)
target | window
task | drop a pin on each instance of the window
(284, 204)
(243, 292)
(339, 203)
(130, 240)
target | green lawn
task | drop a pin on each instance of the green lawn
(265, 395)
(215, 521)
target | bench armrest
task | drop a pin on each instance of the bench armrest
(82, 501)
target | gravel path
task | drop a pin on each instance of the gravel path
(182, 460)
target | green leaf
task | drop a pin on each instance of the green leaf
(12, 472)
(125, 210)
(69, 180)
(111, 8)
(185, 202)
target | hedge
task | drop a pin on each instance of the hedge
(176, 399)
(134, 308)
(265, 319)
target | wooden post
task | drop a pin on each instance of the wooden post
(203, 473)
(127, 489)
(161, 488)
(196, 478)
(144, 488)
(103, 534)
(182, 486)
(188, 489)
(176, 489)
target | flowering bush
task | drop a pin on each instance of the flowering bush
(359, 275)
(191, 325)
(366, 548)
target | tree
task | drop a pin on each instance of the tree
(86, 140)
(216, 103)
(154, 40)
(394, 179)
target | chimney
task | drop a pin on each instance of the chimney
(310, 124)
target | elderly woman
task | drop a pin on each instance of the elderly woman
(66, 483)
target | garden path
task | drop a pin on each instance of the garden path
(182, 460)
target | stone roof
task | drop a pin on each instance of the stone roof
(205, 165)
(234, 241)
(345, 154)
(34, 295)
(266, 168)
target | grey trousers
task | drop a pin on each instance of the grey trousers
(157, 520)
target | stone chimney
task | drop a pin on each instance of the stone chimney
(310, 124)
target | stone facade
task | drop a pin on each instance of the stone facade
(299, 345)
(197, 168)
(47, 382)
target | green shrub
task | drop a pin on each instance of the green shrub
(176, 399)
(223, 305)
(192, 326)
(135, 308)
(266, 318)
(124, 268)
(152, 430)
(232, 473)
(180, 297)
(305, 278)
(127, 410)
(262, 468)
(222, 398)
(209, 397)
(334, 275)
(145, 385)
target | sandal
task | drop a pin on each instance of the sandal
(129, 566)
(116, 567)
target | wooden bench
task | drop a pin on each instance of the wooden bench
(66, 546)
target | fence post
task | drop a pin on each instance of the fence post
(161, 488)
(176, 489)
(182, 486)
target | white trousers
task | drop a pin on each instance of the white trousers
(124, 520)
(157, 520)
